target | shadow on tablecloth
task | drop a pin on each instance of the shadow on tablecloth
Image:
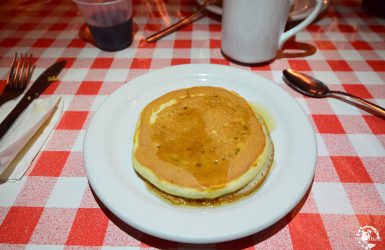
(241, 243)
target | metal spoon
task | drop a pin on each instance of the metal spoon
(155, 37)
(312, 87)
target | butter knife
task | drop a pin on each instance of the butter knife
(38, 87)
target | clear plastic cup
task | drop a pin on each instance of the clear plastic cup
(110, 22)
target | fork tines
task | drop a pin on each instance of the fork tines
(21, 70)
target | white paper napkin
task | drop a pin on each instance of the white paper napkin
(24, 139)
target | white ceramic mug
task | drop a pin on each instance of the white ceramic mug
(253, 30)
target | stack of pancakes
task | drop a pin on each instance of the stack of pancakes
(202, 146)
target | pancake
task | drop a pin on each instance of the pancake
(202, 145)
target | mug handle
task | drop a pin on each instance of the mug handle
(286, 35)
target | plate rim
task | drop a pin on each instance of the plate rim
(203, 68)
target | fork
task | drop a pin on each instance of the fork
(19, 76)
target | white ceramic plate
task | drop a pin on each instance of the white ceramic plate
(301, 8)
(108, 146)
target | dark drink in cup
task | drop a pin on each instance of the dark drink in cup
(110, 22)
(374, 7)
(114, 37)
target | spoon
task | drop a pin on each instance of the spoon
(155, 37)
(312, 87)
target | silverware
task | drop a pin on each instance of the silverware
(19, 77)
(178, 25)
(312, 87)
(44, 80)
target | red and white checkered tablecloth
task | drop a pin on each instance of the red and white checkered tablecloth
(53, 206)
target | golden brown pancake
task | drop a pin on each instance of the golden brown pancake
(201, 144)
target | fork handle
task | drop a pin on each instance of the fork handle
(2, 101)
(15, 113)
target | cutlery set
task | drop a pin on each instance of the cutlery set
(20, 74)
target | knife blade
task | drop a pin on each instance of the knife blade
(38, 87)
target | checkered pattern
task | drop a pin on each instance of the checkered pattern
(53, 207)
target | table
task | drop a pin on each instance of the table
(53, 206)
